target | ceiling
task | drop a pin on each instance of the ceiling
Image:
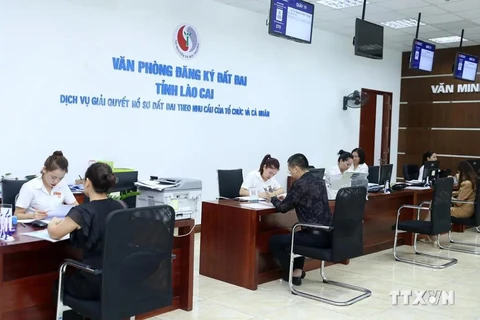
(442, 18)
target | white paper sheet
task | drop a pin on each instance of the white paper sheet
(248, 198)
(260, 205)
(43, 234)
(59, 211)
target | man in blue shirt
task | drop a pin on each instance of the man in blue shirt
(308, 196)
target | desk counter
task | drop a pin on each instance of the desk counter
(29, 268)
(234, 237)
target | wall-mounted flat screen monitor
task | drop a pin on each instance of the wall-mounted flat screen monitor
(291, 19)
(422, 55)
(368, 39)
(465, 67)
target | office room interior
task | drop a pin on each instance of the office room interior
(170, 94)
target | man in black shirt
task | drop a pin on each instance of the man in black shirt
(308, 196)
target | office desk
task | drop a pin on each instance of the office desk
(234, 238)
(29, 269)
(234, 243)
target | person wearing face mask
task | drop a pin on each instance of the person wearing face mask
(263, 179)
(39, 195)
(427, 156)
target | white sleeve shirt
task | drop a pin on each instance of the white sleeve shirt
(34, 196)
(255, 180)
(420, 174)
(362, 168)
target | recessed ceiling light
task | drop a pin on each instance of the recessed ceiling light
(450, 39)
(404, 23)
(340, 4)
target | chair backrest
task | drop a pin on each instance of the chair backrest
(410, 172)
(229, 182)
(441, 204)
(137, 261)
(318, 172)
(10, 190)
(347, 237)
(476, 212)
(373, 174)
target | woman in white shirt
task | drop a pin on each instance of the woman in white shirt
(427, 156)
(359, 164)
(263, 179)
(43, 193)
(345, 161)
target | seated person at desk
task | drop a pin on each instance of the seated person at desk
(45, 192)
(359, 164)
(263, 179)
(345, 161)
(308, 196)
(467, 179)
(427, 156)
(86, 225)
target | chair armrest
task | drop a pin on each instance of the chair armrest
(411, 206)
(314, 226)
(462, 201)
(80, 266)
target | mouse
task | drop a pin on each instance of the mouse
(39, 224)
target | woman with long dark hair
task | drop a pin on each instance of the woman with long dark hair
(467, 180)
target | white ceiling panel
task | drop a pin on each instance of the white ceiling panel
(426, 11)
(403, 4)
(443, 18)
(458, 6)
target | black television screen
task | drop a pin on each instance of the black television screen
(368, 39)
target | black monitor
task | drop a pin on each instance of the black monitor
(385, 173)
(431, 170)
(373, 174)
(368, 39)
(475, 163)
(318, 172)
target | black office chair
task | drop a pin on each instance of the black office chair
(137, 266)
(10, 191)
(410, 172)
(229, 183)
(440, 222)
(474, 221)
(347, 242)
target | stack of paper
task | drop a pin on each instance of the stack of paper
(43, 234)
(154, 185)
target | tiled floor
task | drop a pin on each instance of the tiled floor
(377, 272)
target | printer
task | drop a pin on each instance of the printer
(183, 195)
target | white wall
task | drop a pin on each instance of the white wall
(54, 47)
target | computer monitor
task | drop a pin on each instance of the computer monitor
(318, 172)
(431, 170)
(373, 174)
(475, 163)
(385, 173)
